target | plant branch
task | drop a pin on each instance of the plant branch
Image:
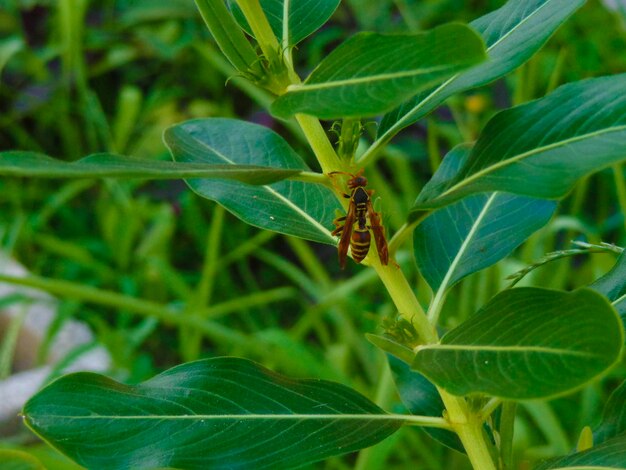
(261, 28)
(312, 177)
(404, 232)
(459, 417)
(490, 407)
(318, 140)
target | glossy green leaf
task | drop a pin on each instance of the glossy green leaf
(512, 34)
(541, 149)
(474, 233)
(304, 210)
(291, 21)
(527, 343)
(610, 454)
(614, 416)
(370, 73)
(215, 413)
(613, 286)
(105, 165)
(421, 397)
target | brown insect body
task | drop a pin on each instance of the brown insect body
(355, 231)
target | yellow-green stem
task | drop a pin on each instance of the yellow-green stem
(261, 28)
(473, 439)
(318, 140)
(463, 421)
(404, 299)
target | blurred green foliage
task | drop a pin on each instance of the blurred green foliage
(79, 77)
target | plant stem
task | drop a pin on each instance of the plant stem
(464, 423)
(312, 177)
(318, 140)
(260, 27)
(404, 232)
(473, 439)
(405, 301)
(507, 422)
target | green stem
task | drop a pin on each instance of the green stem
(404, 300)
(464, 422)
(321, 146)
(507, 426)
(489, 408)
(404, 232)
(260, 26)
(312, 177)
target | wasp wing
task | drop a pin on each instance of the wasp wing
(346, 233)
(379, 234)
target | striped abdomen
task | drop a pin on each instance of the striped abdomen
(360, 243)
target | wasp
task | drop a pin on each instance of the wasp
(354, 228)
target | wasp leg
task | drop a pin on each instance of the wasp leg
(338, 225)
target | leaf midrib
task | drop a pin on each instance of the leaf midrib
(451, 79)
(273, 192)
(519, 349)
(463, 248)
(286, 39)
(524, 155)
(239, 417)
(369, 79)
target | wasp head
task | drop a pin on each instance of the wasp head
(357, 181)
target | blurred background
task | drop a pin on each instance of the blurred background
(131, 261)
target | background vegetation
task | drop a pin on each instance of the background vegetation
(80, 77)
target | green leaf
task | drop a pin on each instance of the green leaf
(610, 454)
(370, 73)
(215, 413)
(614, 416)
(105, 165)
(421, 397)
(527, 343)
(512, 34)
(295, 208)
(474, 233)
(303, 17)
(613, 286)
(542, 148)
(391, 346)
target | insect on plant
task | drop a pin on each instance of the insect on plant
(354, 228)
(468, 355)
